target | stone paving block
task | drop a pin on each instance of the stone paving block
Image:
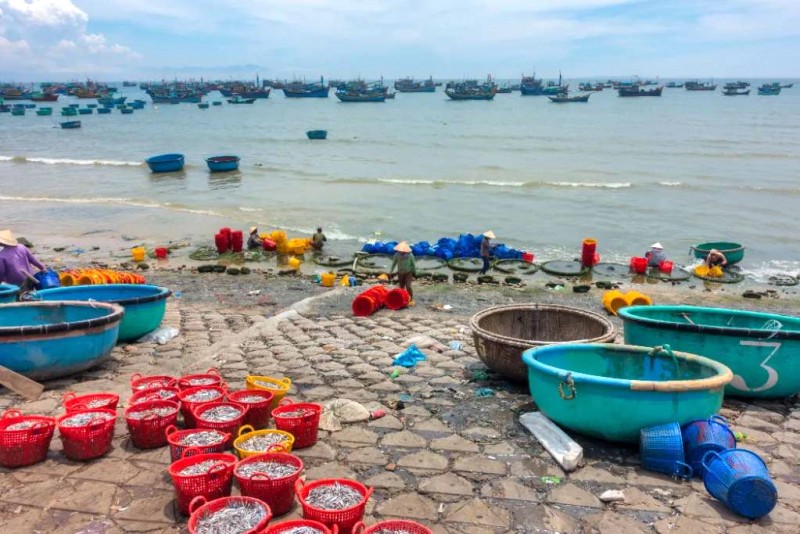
(479, 464)
(637, 500)
(454, 442)
(609, 521)
(417, 411)
(591, 473)
(409, 506)
(703, 506)
(330, 470)
(424, 460)
(477, 512)
(385, 386)
(481, 434)
(388, 421)
(686, 525)
(431, 425)
(355, 434)
(386, 480)
(150, 507)
(510, 490)
(107, 470)
(787, 437)
(405, 439)
(320, 392)
(368, 456)
(320, 450)
(574, 496)
(447, 484)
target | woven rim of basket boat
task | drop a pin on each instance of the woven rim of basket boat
(114, 313)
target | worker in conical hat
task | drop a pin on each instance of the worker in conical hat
(17, 262)
(655, 255)
(254, 242)
(406, 268)
(486, 249)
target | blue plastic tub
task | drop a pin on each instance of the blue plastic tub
(44, 340)
(740, 479)
(223, 163)
(144, 304)
(700, 437)
(8, 293)
(166, 163)
(661, 450)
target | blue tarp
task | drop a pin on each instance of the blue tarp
(466, 246)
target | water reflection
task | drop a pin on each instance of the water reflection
(224, 180)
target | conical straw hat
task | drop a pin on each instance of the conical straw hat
(402, 247)
(7, 238)
(489, 234)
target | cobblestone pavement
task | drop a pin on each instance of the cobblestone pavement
(452, 460)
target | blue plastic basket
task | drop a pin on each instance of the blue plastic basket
(740, 479)
(700, 437)
(661, 449)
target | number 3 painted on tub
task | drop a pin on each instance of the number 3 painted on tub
(772, 375)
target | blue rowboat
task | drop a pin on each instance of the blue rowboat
(222, 163)
(8, 293)
(103, 111)
(144, 304)
(760, 348)
(44, 340)
(203, 105)
(71, 125)
(614, 391)
(734, 252)
(136, 105)
(126, 110)
(317, 134)
(165, 163)
(85, 111)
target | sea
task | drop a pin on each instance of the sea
(682, 169)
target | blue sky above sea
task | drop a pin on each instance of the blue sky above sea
(150, 39)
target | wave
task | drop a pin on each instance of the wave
(609, 185)
(248, 210)
(115, 201)
(480, 183)
(333, 234)
(67, 161)
(670, 184)
(762, 272)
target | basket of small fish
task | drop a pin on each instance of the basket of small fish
(392, 526)
(228, 515)
(87, 434)
(270, 477)
(210, 378)
(301, 420)
(208, 441)
(195, 397)
(333, 501)
(300, 526)
(72, 402)
(147, 422)
(224, 416)
(259, 406)
(24, 439)
(278, 386)
(201, 475)
(139, 382)
(251, 442)
(157, 393)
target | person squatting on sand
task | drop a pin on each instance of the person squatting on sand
(254, 242)
(655, 255)
(17, 262)
(318, 240)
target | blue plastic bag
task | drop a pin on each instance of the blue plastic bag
(409, 357)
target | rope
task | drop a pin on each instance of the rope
(570, 383)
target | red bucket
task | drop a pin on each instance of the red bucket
(345, 519)
(175, 439)
(258, 411)
(397, 299)
(528, 257)
(392, 525)
(289, 526)
(639, 265)
(151, 394)
(147, 432)
(304, 428)
(210, 378)
(276, 492)
(90, 401)
(269, 245)
(222, 242)
(188, 406)
(237, 240)
(26, 445)
(213, 484)
(364, 306)
(665, 266)
(200, 507)
(225, 231)
(139, 382)
(161, 253)
(588, 252)
(231, 427)
(88, 441)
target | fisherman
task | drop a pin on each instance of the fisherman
(486, 247)
(318, 240)
(254, 242)
(716, 258)
(16, 262)
(406, 268)
(655, 255)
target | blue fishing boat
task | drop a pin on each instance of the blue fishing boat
(69, 112)
(700, 86)
(216, 103)
(92, 106)
(564, 98)
(471, 90)
(769, 90)
(760, 348)
(636, 90)
(317, 134)
(409, 85)
(103, 100)
(361, 91)
(103, 111)
(238, 99)
(45, 340)
(613, 391)
(126, 111)
(8, 293)
(299, 89)
(137, 104)
(166, 163)
(17, 112)
(175, 97)
(734, 252)
(85, 111)
(44, 112)
(203, 105)
(222, 163)
(70, 125)
(144, 304)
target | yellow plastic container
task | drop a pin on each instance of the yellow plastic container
(138, 253)
(328, 279)
(634, 298)
(294, 263)
(246, 432)
(613, 300)
(701, 270)
(67, 279)
(715, 272)
(280, 386)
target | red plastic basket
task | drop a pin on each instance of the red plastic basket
(345, 519)
(286, 526)
(210, 378)
(148, 432)
(304, 428)
(200, 507)
(257, 412)
(188, 407)
(174, 437)
(276, 492)
(211, 485)
(26, 446)
(412, 527)
(139, 382)
(90, 401)
(89, 441)
(231, 427)
(152, 394)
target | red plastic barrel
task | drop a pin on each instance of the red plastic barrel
(225, 231)
(237, 240)
(528, 257)
(639, 265)
(397, 299)
(588, 252)
(221, 241)
(269, 245)
(665, 266)
(161, 253)
(370, 301)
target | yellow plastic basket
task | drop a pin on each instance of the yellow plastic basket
(280, 390)
(246, 432)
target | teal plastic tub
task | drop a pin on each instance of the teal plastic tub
(612, 392)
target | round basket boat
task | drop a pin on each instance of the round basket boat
(734, 252)
(165, 162)
(8, 293)
(502, 333)
(613, 391)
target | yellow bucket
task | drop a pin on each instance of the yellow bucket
(614, 300)
(138, 253)
(246, 432)
(279, 390)
(634, 298)
(328, 279)
(294, 263)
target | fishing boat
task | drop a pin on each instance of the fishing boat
(69, 112)
(390, 95)
(222, 163)
(635, 90)
(787, 85)
(674, 85)
(503, 89)
(216, 103)
(103, 100)
(760, 348)
(203, 105)
(44, 112)
(298, 89)
(589, 88)
(18, 111)
(531, 86)
(70, 125)
(165, 162)
(361, 91)
(730, 91)
(8, 293)
(85, 111)
(238, 99)
(563, 99)
(44, 97)
(769, 89)
(244, 90)
(126, 111)
(410, 85)
(471, 90)
(317, 134)
(736, 85)
(700, 86)
(137, 104)
(103, 111)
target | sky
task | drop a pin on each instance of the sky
(286, 39)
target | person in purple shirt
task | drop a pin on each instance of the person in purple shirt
(16, 262)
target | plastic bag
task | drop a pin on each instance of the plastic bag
(159, 335)
(409, 357)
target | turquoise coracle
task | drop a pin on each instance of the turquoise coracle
(8, 293)
(144, 304)
(614, 391)
(762, 349)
